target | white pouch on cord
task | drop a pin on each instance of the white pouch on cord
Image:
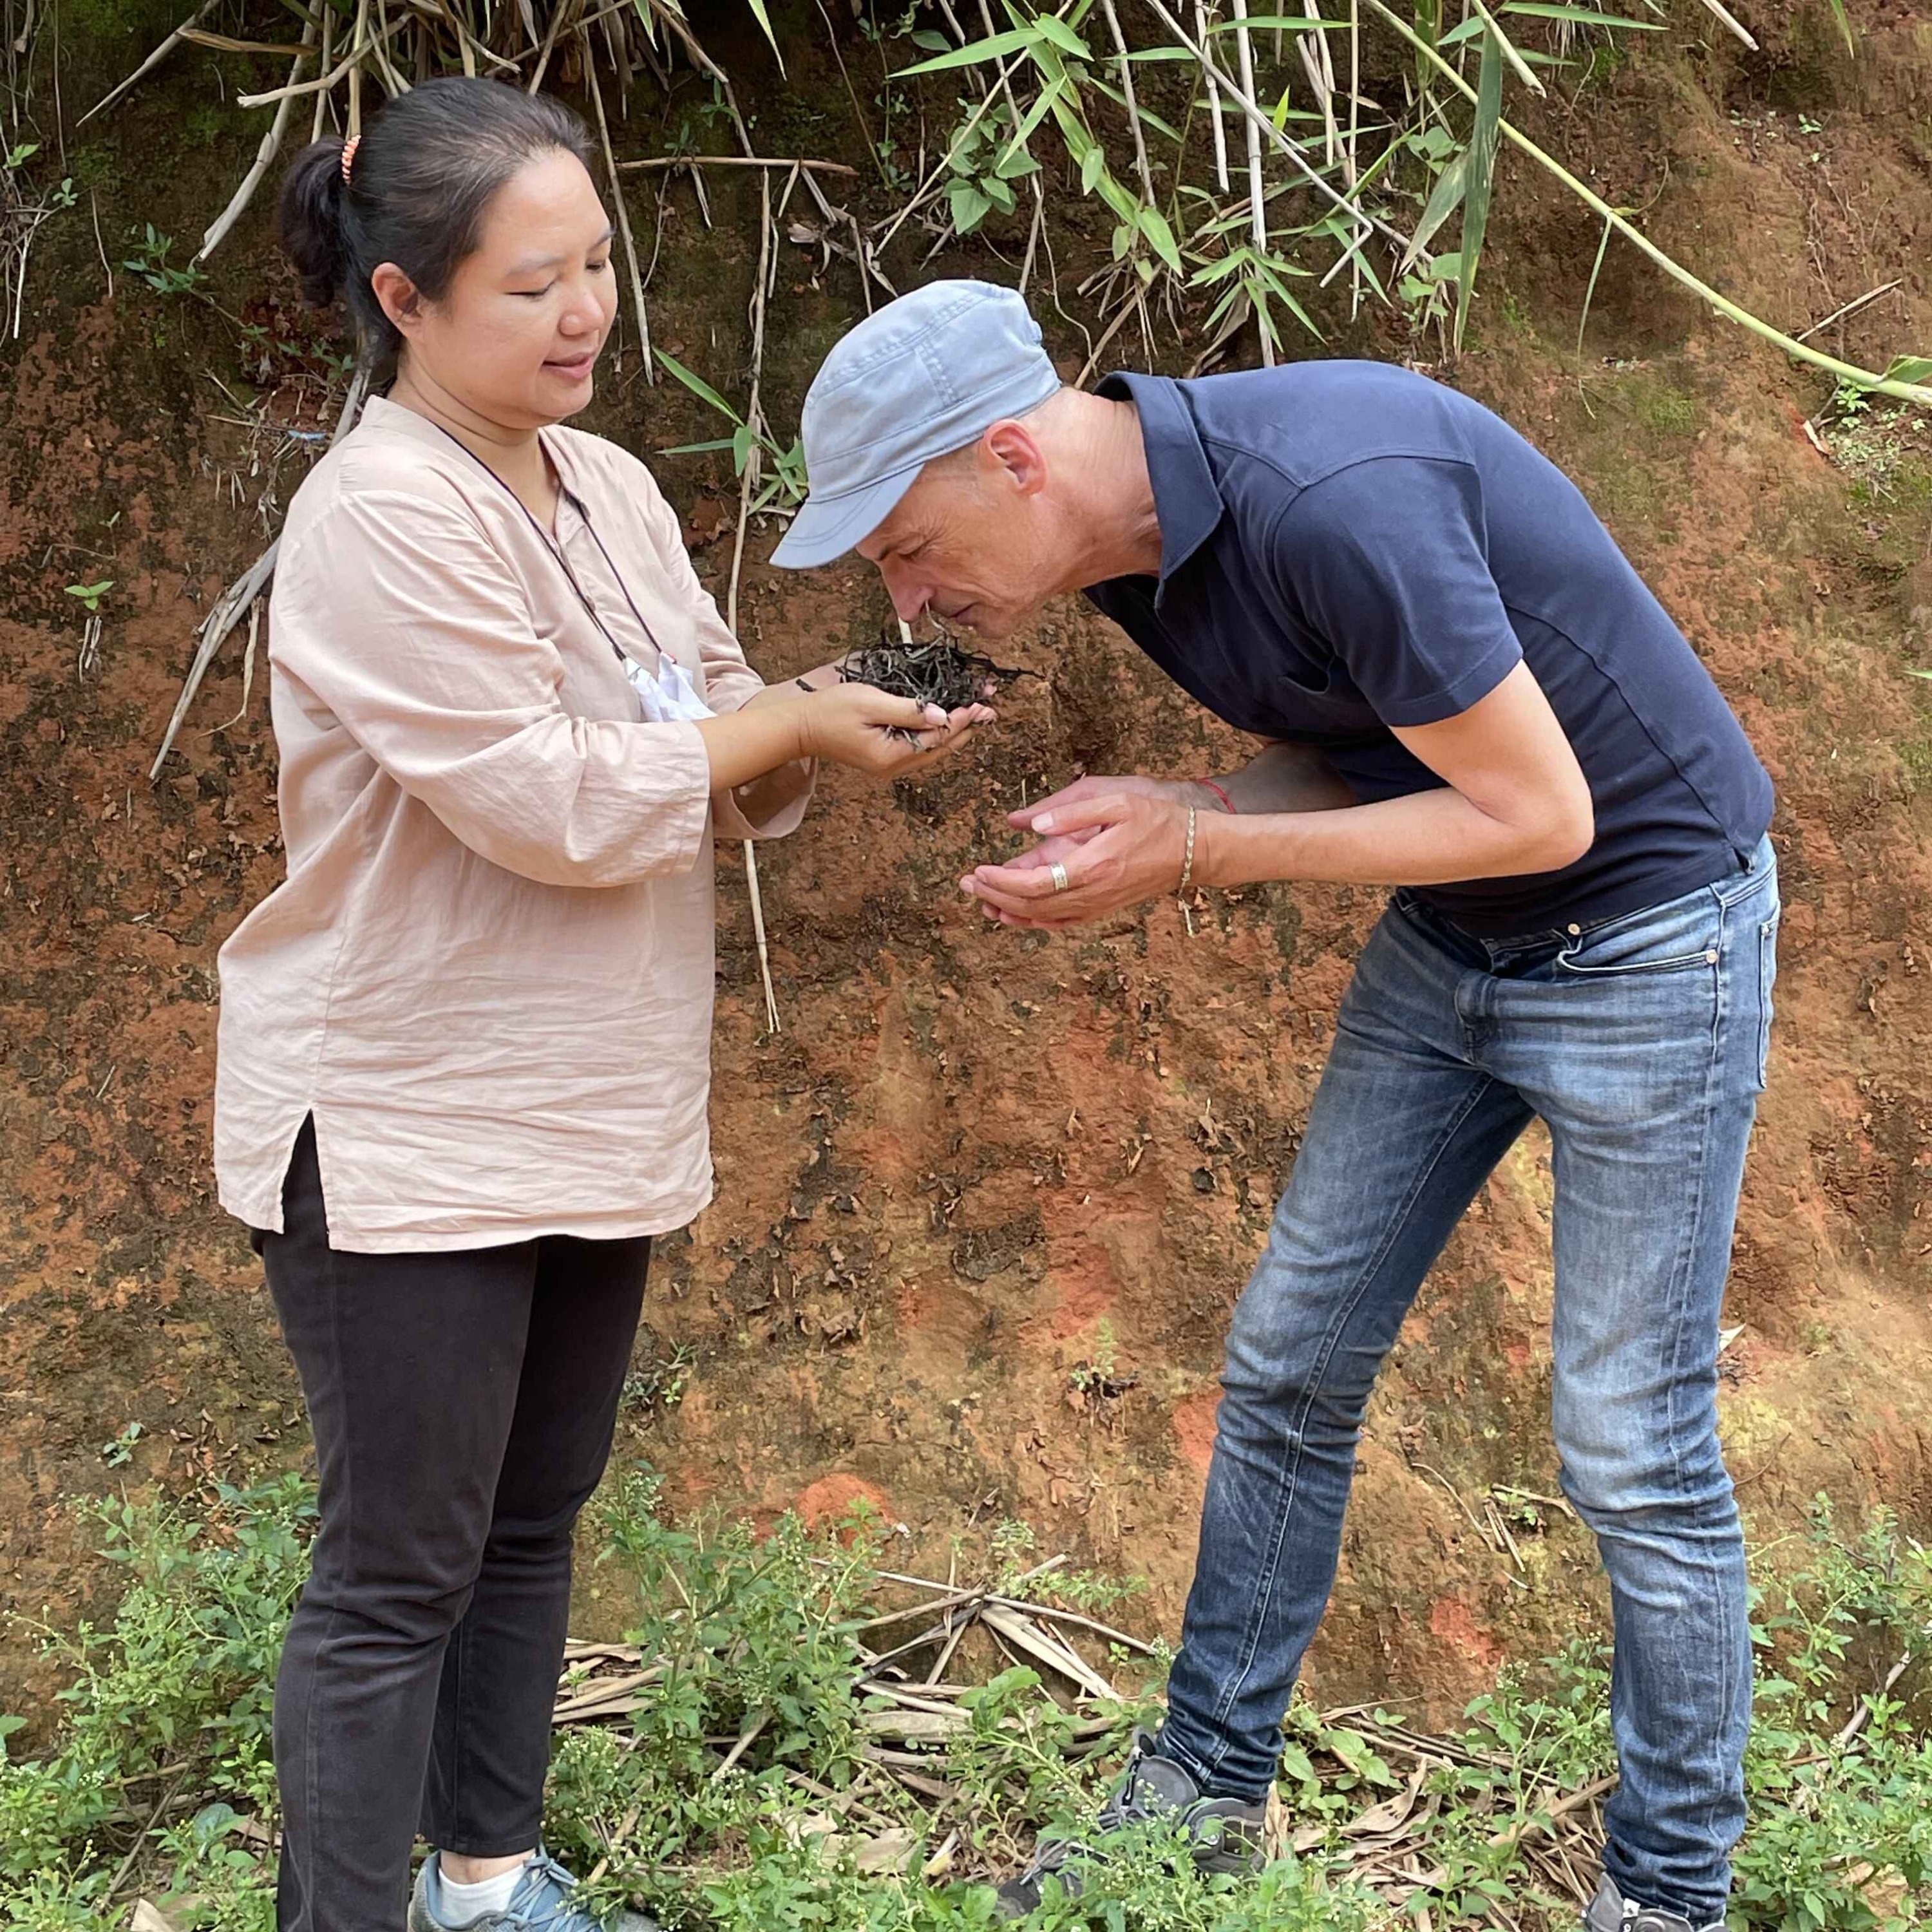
(670, 698)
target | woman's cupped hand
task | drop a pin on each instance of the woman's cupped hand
(873, 731)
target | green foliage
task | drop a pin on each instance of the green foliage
(163, 1752)
(983, 161)
(171, 1697)
(150, 264)
(749, 445)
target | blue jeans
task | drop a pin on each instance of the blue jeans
(1641, 1041)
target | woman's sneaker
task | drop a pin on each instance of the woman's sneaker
(1225, 1833)
(541, 1902)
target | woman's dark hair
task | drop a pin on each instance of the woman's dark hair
(422, 177)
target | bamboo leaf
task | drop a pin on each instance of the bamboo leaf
(1479, 175)
(1286, 23)
(1124, 204)
(764, 20)
(1092, 165)
(1589, 294)
(1153, 225)
(1052, 27)
(1908, 369)
(1035, 115)
(997, 48)
(1586, 16)
(698, 385)
(1146, 114)
(1507, 49)
(1443, 200)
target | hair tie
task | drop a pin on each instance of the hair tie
(349, 148)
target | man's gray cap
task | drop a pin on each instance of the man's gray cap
(924, 376)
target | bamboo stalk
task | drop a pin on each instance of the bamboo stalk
(1127, 93)
(747, 480)
(1245, 101)
(1257, 187)
(1218, 126)
(147, 66)
(623, 212)
(321, 62)
(264, 154)
(655, 161)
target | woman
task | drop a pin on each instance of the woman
(464, 1050)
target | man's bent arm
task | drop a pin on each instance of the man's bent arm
(1514, 800)
(1281, 777)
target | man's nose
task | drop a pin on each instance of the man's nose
(909, 595)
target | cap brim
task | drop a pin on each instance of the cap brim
(826, 528)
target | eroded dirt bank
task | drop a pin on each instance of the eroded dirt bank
(987, 1200)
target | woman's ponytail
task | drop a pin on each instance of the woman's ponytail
(313, 193)
(425, 171)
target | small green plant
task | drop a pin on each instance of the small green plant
(118, 1453)
(661, 1383)
(984, 160)
(150, 265)
(90, 595)
(786, 485)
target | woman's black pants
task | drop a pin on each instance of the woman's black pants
(462, 1405)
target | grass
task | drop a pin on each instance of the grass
(772, 1774)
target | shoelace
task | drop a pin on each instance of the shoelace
(543, 1866)
(1117, 1810)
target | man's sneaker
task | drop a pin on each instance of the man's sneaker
(1225, 1832)
(540, 1903)
(1611, 1912)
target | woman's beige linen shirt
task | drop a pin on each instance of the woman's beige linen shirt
(489, 974)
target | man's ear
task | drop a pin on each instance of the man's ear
(1015, 454)
(401, 300)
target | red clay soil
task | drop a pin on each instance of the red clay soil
(974, 1163)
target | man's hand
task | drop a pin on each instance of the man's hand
(1121, 842)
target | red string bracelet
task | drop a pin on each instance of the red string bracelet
(1227, 803)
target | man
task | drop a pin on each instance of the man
(1466, 693)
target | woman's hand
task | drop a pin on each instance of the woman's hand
(819, 678)
(872, 731)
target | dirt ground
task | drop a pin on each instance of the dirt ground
(986, 1201)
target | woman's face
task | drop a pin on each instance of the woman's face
(517, 335)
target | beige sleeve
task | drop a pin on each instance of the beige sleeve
(730, 682)
(401, 619)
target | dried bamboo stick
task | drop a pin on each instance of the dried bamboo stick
(147, 66)
(264, 154)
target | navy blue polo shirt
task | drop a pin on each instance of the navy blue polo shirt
(1348, 546)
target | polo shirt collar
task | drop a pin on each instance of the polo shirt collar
(1186, 498)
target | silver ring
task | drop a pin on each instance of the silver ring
(1059, 872)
